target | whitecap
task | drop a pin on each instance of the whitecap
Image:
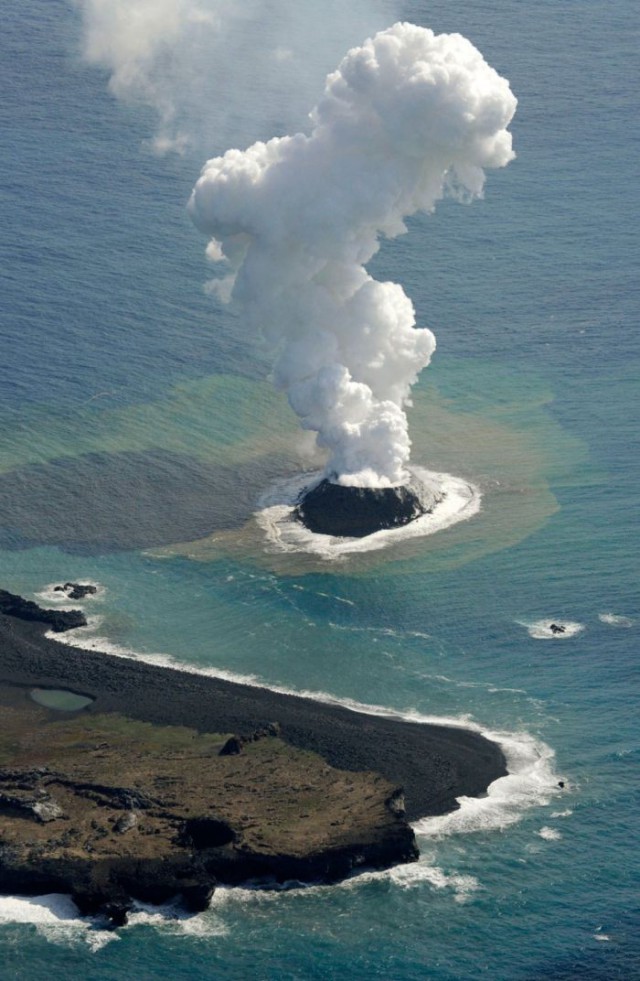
(542, 629)
(549, 834)
(53, 908)
(614, 620)
(409, 876)
(460, 501)
(173, 918)
(406, 876)
(414, 874)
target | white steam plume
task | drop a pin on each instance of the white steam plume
(214, 69)
(406, 118)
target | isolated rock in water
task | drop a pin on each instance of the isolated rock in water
(76, 590)
(196, 895)
(556, 629)
(117, 912)
(353, 512)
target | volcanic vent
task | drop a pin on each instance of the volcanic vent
(353, 512)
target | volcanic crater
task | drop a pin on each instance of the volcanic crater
(344, 511)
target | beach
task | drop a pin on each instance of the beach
(434, 764)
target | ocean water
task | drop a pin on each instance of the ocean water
(138, 431)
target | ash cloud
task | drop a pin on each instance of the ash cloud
(405, 119)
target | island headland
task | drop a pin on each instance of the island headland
(169, 781)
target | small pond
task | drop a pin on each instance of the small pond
(60, 699)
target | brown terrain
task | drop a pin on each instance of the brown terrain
(167, 782)
(108, 807)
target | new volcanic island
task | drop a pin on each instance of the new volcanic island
(346, 511)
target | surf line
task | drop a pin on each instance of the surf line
(531, 780)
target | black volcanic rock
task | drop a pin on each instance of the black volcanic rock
(76, 590)
(353, 512)
(59, 620)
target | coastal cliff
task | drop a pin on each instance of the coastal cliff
(108, 809)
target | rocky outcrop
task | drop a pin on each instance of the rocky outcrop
(556, 628)
(76, 590)
(57, 620)
(354, 512)
(125, 810)
(235, 744)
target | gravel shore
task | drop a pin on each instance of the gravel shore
(434, 764)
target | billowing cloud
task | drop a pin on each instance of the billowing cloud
(406, 118)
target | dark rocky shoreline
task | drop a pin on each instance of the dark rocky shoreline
(21, 609)
(435, 764)
(406, 771)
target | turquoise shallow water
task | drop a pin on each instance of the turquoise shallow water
(136, 419)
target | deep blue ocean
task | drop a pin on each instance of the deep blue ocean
(139, 428)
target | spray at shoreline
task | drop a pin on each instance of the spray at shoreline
(406, 118)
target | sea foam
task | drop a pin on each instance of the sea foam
(531, 782)
(408, 876)
(56, 917)
(549, 834)
(541, 629)
(615, 620)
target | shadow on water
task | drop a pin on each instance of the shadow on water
(101, 502)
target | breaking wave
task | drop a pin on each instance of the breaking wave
(614, 620)
(57, 918)
(531, 782)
